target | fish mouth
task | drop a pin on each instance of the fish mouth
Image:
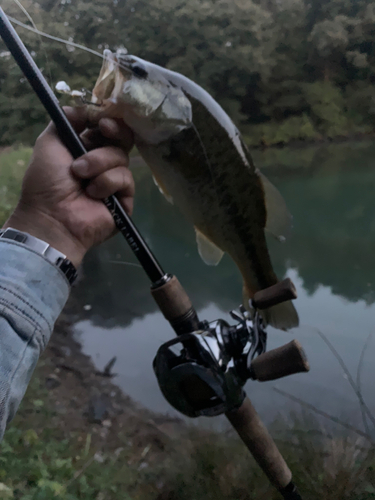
(115, 66)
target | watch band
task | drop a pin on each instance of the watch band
(56, 258)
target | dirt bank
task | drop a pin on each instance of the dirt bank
(88, 401)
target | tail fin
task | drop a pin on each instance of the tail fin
(282, 316)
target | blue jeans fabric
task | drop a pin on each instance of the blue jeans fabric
(33, 293)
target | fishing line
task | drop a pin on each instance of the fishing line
(124, 263)
(56, 39)
(66, 42)
(18, 3)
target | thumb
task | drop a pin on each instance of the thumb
(76, 116)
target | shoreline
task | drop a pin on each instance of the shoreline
(305, 143)
(97, 403)
(293, 144)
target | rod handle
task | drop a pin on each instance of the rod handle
(257, 439)
(176, 306)
(280, 362)
(275, 294)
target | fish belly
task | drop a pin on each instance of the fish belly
(224, 214)
(222, 196)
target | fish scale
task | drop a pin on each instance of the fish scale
(240, 217)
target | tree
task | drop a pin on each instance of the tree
(265, 61)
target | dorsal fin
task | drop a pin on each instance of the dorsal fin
(279, 220)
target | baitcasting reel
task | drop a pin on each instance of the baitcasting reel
(202, 373)
(206, 374)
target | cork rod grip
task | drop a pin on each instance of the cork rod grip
(254, 434)
(176, 306)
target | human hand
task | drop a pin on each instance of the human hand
(56, 206)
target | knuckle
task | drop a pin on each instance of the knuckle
(125, 178)
(131, 183)
(68, 109)
(104, 183)
(96, 161)
(119, 154)
(105, 158)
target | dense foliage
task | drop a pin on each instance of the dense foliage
(282, 69)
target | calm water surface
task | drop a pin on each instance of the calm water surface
(330, 258)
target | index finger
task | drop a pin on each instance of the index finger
(117, 131)
(76, 116)
(109, 132)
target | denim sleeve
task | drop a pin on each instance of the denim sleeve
(33, 293)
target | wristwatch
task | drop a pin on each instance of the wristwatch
(56, 258)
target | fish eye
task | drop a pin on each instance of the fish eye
(139, 70)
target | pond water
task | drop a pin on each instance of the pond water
(330, 257)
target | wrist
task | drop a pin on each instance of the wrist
(46, 228)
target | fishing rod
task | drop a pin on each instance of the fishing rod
(213, 360)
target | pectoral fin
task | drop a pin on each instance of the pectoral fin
(163, 190)
(210, 253)
(279, 220)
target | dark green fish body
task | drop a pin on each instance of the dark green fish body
(221, 195)
(201, 164)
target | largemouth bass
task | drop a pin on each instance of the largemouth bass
(200, 163)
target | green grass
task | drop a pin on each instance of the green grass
(13, 163)
(219, 467)
(39, 466)
(40, 459)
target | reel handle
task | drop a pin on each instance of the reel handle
(257, 439)
(275, 294)
(280, 362)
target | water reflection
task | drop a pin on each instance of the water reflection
(332, 202)
(330, 257)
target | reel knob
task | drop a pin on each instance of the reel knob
(280, 362)
(282, 291)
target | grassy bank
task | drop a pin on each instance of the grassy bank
(54, 449)
(41, 459)
(13, 163)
